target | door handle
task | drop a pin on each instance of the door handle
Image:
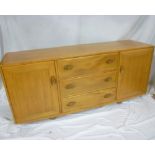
(53, 80)
(121, 69)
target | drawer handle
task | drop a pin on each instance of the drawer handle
(107, 95)
(70, 86)
(68, 67)
(109, 61)
(108, 79)
(71, 103)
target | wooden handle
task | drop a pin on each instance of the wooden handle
(107, 95)
(109, 61)
(70, 86)
(108, 79)
(71, 103)
(68, 67)
(121, 69)
(53, 80)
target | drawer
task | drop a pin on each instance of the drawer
(87, 65)
(89, 100)
(87, 84)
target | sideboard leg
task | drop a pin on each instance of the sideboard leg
(119, 102)
(53, 118)
(153, 96)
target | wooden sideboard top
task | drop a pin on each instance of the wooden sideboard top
(28, 56)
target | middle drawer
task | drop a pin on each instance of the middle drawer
(87, 84)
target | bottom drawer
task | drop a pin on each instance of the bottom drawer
(88, 100)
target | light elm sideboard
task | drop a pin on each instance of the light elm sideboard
(47, 83)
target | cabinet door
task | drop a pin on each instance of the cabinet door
(134, 72)
(32, 93)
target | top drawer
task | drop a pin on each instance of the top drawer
(75, 67)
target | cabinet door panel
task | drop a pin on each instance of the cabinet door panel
(30, 90)
(134, 72)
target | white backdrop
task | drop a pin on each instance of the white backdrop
(30, 32)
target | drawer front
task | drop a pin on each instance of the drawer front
(87, 84)
(88, 101)
(87, 65)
